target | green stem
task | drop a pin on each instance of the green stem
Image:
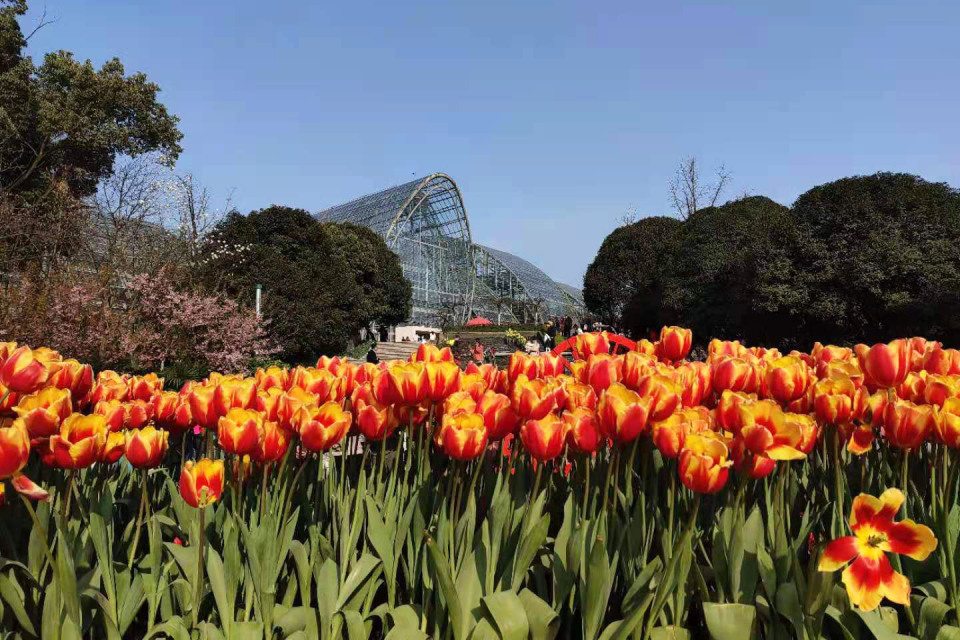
(662, 594)
(905, 487)
(586, 490)
(533, 501)
(614, 457)
(68, 494)
(954, 466)
(293, 486)
(140, 514)
(198, 593)
(672, 498)
(263, 491)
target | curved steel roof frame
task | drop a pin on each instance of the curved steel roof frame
(536, 286)
(425, 222)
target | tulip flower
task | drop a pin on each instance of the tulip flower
(110, 386)
(533, 399)
(429, 352)
(496, 379)
(623, 413)
(942, 361)
(580, 395)
(145, 448)
(766, 432)
(549, 365)
(722, 349)
(273, 377)
(268, 402)
(14, 447)
(906, 425)
(25, 370)
(670, 434)
(145, 387)
(274, 441)
(137, 414)
(463, 435)
(735, 374)
(838, 400)
(947, 424)
(884, 365)
(498, 415)
(6, 348)
(634, 367)
(695, 381)
(114, 411)
(646, 348)
(322, 427)
(913, 386)
(171, 411)
(234, 393)
(808, 427)
(588, 344)
(601, 371)
(75, 377)
(403, 384)
(239, 431)
(704, 464)
(543, 438)
(938, 389)
(287, 405)
(201, 482)
(375, 421)
(78, 444)
(583, 430)
(663, 393)
(868, 576)
(674, 343)
(823, 355)
(201, 406)
(44, 410)
(320, 382)
(459, 402)
(787, 379)
(521, 364)
(728, 409)
(441, 378)
(8, 400)
(333, 365)
(113, 447)
(473, 384)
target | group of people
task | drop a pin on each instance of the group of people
(558, 329)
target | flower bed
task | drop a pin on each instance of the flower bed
(628, 494)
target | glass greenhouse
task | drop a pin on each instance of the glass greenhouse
(425, 222)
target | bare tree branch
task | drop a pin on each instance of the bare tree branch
(689, 194)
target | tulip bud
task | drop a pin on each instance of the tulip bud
(201, 483)
(43, 411)
(674, 344)
(884, 365)
(583, 430)
(239, 431)
(543, 438)
(704, 463)
(145, 448)
(322, 427)
(463, 435)
(623, 413)
(25, 370)
(14, 447)
(498, 415)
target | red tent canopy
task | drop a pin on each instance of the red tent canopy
(479, 321)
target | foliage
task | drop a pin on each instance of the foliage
(410, 535)
(865, 256)
(881, 255)
(625, 282)
(63, 124)
(148, 324)
(322, 282)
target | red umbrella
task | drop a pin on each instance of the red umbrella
(479, 321)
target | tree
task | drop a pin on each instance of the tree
(322, 282)
(732, 276)
(63, 124)
(882, 257)
(624, 283)
(688, 191)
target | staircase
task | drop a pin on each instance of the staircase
(396, 350)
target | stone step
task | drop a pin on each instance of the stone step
(396, 350)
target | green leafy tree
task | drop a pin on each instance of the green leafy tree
(882, 257)
(63, 123)
(322, 282)
(624, 284)
(733, 276)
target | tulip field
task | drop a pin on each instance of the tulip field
(623, 492)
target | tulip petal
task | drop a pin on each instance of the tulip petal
(860, 440)
(838, 553)
(27, 487)
(910, 539)
(864, 581)
(785, 452)
(866, 507)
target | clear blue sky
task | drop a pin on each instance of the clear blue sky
(553, 117)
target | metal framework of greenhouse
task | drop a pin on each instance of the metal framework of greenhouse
(425, 223)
